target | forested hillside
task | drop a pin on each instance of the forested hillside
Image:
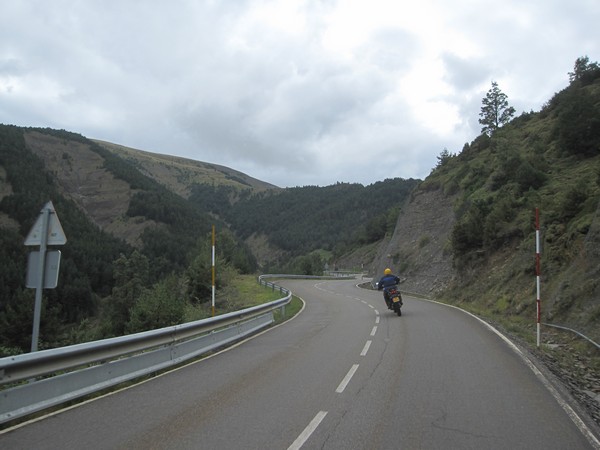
(331, 220)
(551, 161)
(106, 280)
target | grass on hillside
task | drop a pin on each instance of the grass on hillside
(244, 292)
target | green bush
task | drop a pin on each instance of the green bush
(162, 306)
(578, 122)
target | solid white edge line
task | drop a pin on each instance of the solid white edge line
(308, 431)
(579, 423)
(346, 379)
(366, 348)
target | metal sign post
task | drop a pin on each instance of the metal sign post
(37, 310)
(46, 231)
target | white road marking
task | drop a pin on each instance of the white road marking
(377, 319)
(374, 330)
(346, 379)
(308, 431)
(365, 349)
(376, 312)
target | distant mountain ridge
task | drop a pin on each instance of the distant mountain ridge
(179, 174)
(105, 198)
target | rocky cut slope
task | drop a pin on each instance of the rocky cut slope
(419, 249)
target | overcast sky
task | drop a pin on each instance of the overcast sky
(294, 93)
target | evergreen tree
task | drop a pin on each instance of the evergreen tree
(443, 158)
(584, 71)
(495, 111)
(132, 278)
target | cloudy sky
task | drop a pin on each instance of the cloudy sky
(291, 92)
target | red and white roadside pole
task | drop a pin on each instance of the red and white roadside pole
(538, 272)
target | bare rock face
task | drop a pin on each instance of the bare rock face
(419, 250)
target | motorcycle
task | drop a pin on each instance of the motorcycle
(395, 299)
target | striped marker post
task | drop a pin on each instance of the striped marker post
(538, 272)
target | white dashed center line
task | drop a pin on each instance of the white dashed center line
(366, 348)
(312, 426)
(346, 379)
(308, 431)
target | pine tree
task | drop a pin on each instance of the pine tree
(584, 71)
(495, 111)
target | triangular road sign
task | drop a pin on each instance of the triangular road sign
(56, 235)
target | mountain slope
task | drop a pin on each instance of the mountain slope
(334, 218)
(80, 175)
(126, 232)
(180, 174)
(467, 235)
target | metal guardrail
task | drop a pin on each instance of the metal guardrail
(581, 335)
(78, 370)
(52, 377)
(331, 275)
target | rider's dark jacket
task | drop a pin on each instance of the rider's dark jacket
(387, 281)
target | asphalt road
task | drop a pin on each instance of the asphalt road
(345, 374)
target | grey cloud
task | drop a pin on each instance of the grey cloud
(465, 74)
(210, 81)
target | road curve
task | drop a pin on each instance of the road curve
(345, 374)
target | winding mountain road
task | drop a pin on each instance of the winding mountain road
(345, 374)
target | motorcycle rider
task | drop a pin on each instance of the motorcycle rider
(387, 280)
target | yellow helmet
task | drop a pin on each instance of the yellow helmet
(387, 271)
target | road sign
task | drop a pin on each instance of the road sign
(52, 267)
(43, 274)
(56, 235)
